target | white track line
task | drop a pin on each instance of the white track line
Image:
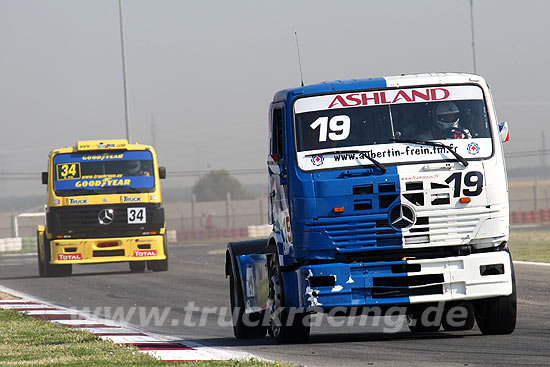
(531, 263)
(183, 350)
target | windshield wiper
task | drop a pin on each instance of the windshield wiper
(434, 144)
(79, 192)
(366, 155)
(125, 189)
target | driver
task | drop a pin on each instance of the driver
(446, 123)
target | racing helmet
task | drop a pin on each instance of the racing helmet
(133, 167)
(446, 115)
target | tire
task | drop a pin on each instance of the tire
(497, 316)
(240, 328)
(159, 265)
(417, 324)
(54, 270)
(467, 323)
(284, 326)
(40, 260)
(137, 266)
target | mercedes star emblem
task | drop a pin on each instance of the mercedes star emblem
(106, 216)
(402, 217)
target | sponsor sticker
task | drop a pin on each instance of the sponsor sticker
(473, 148)
(104, 182)
(317, 160)
(77, 201)
(145, 253)
(385, 97)
(105, 145)
(69, 257)
(131, 199)
(393, 154)
(101, 157)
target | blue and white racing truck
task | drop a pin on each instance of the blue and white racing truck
(383, 192)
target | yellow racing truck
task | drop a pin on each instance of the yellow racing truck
(104, 205)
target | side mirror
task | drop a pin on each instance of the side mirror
(162, 172)
(503, 131)
(44, 178)
(273, 164)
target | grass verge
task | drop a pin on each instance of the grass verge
(26, 341)
(530, 245)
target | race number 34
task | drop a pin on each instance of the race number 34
(136, 215)
(68, 171)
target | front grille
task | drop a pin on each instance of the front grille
(83, 221)
(351, 233)
(363, 234)
(454, 226)
(448, 227)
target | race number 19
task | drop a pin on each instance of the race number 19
(136, 215)
(339, 127)
(473, 182)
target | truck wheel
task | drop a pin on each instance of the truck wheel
(466, 323)
(418, 324)
(284, 325)
(54, 270)
(159, 265)
(497, 315)
(40, 260)
(240, 328)
(137, 266)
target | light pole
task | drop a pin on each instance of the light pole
(124, 72)
(473, 38)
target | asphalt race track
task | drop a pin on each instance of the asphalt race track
(196, 280)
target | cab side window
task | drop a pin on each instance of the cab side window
(277, 137)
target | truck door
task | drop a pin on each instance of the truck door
(278, 204)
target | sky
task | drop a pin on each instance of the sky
(201, 74)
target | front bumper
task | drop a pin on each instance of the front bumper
(400, 282)
(102, 250)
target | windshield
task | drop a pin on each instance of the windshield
(342, 129)
(103, 172)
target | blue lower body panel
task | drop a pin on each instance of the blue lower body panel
(340, 285)
(400, 282)
(349, 285)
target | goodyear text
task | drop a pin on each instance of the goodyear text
(101, 157)
(106, 182)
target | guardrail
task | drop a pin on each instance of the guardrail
(206, 234)
(530, 216)
(259, 231)
(17, 244)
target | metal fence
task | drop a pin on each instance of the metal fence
(525, 195)
(179, 216)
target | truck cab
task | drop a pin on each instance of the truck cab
(383, 191)
(104, 205)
